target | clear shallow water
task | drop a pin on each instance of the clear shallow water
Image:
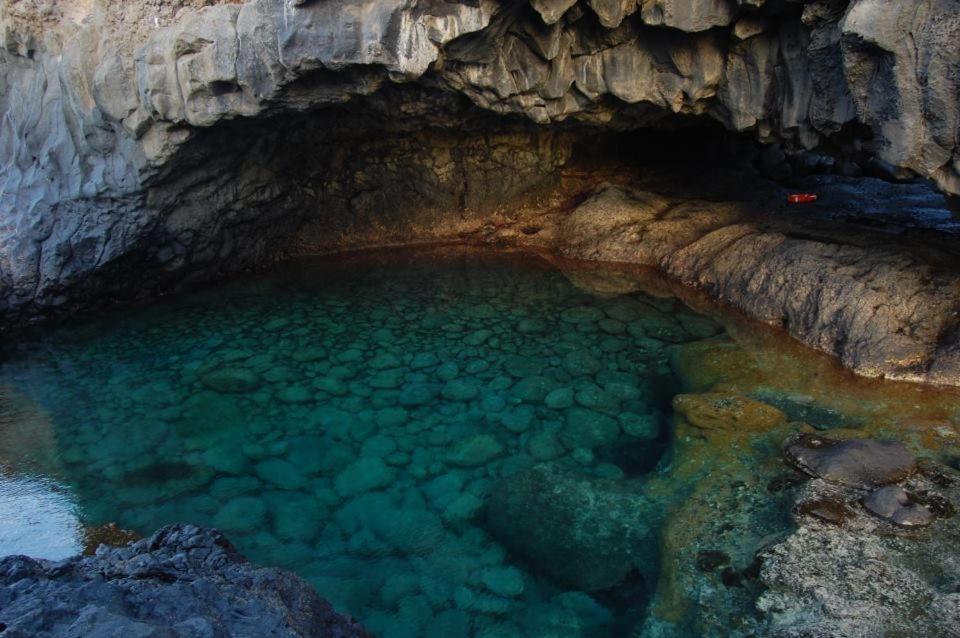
(354, 421)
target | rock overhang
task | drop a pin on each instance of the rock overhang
(154, 145)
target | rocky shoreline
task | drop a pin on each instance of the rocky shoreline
(181, 581)
(884, 303)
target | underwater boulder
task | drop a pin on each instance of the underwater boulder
(587, 533)
(588, 429)
(231, 380)
(860, 463)
(474, 451)
(717, 411)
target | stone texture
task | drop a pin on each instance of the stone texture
(886, 308)
(858, 577)
(861, 463)
(893, 503)
(585, 533)
(149, 145)
(182, 581)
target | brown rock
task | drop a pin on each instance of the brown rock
(716, 411)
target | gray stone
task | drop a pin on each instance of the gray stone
(503, 581)
(157, 581)
(894, 503)
(363, 475)
(588, 429)
(460, 390)
(281, 473)
(559, 399)
(231, 380)
(476, 450)
(241, 514)
(862, 463)
(295, 394)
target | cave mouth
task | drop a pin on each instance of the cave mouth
(409, 164)
(385, 422)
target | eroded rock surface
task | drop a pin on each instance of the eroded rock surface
(155, 144)
(886, 307)
(182, 581)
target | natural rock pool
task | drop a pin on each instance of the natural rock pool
(444, 443)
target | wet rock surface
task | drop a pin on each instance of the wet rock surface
(886, 307)
(860, 555)
(860, 463)
(857, 575)
(895, 504)
(181, 581)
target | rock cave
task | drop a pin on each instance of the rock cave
(480, 318)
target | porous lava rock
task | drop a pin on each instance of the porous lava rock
(855, 577)
(181, 581)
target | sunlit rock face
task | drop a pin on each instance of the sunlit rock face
(153, 145)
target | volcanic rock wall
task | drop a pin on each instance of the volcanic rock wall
(149, 144)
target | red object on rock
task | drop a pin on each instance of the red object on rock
(801, 198)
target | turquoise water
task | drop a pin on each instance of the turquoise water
(354, 421)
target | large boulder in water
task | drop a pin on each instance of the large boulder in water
(583, 532)
(182, 581)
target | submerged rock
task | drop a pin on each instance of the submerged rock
(503, 581)
(588, 429)
(716, 411)
(232, 380)
(363, 475)
(861, 463)
(182, 581)
(585, 533)
(476, 450)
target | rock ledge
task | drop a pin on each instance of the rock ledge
(182, 581)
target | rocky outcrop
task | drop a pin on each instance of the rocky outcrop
(155, 145)
(857, 575)
(887, 306)
(182, 581)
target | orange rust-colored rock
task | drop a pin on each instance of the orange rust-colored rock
(715, 411)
